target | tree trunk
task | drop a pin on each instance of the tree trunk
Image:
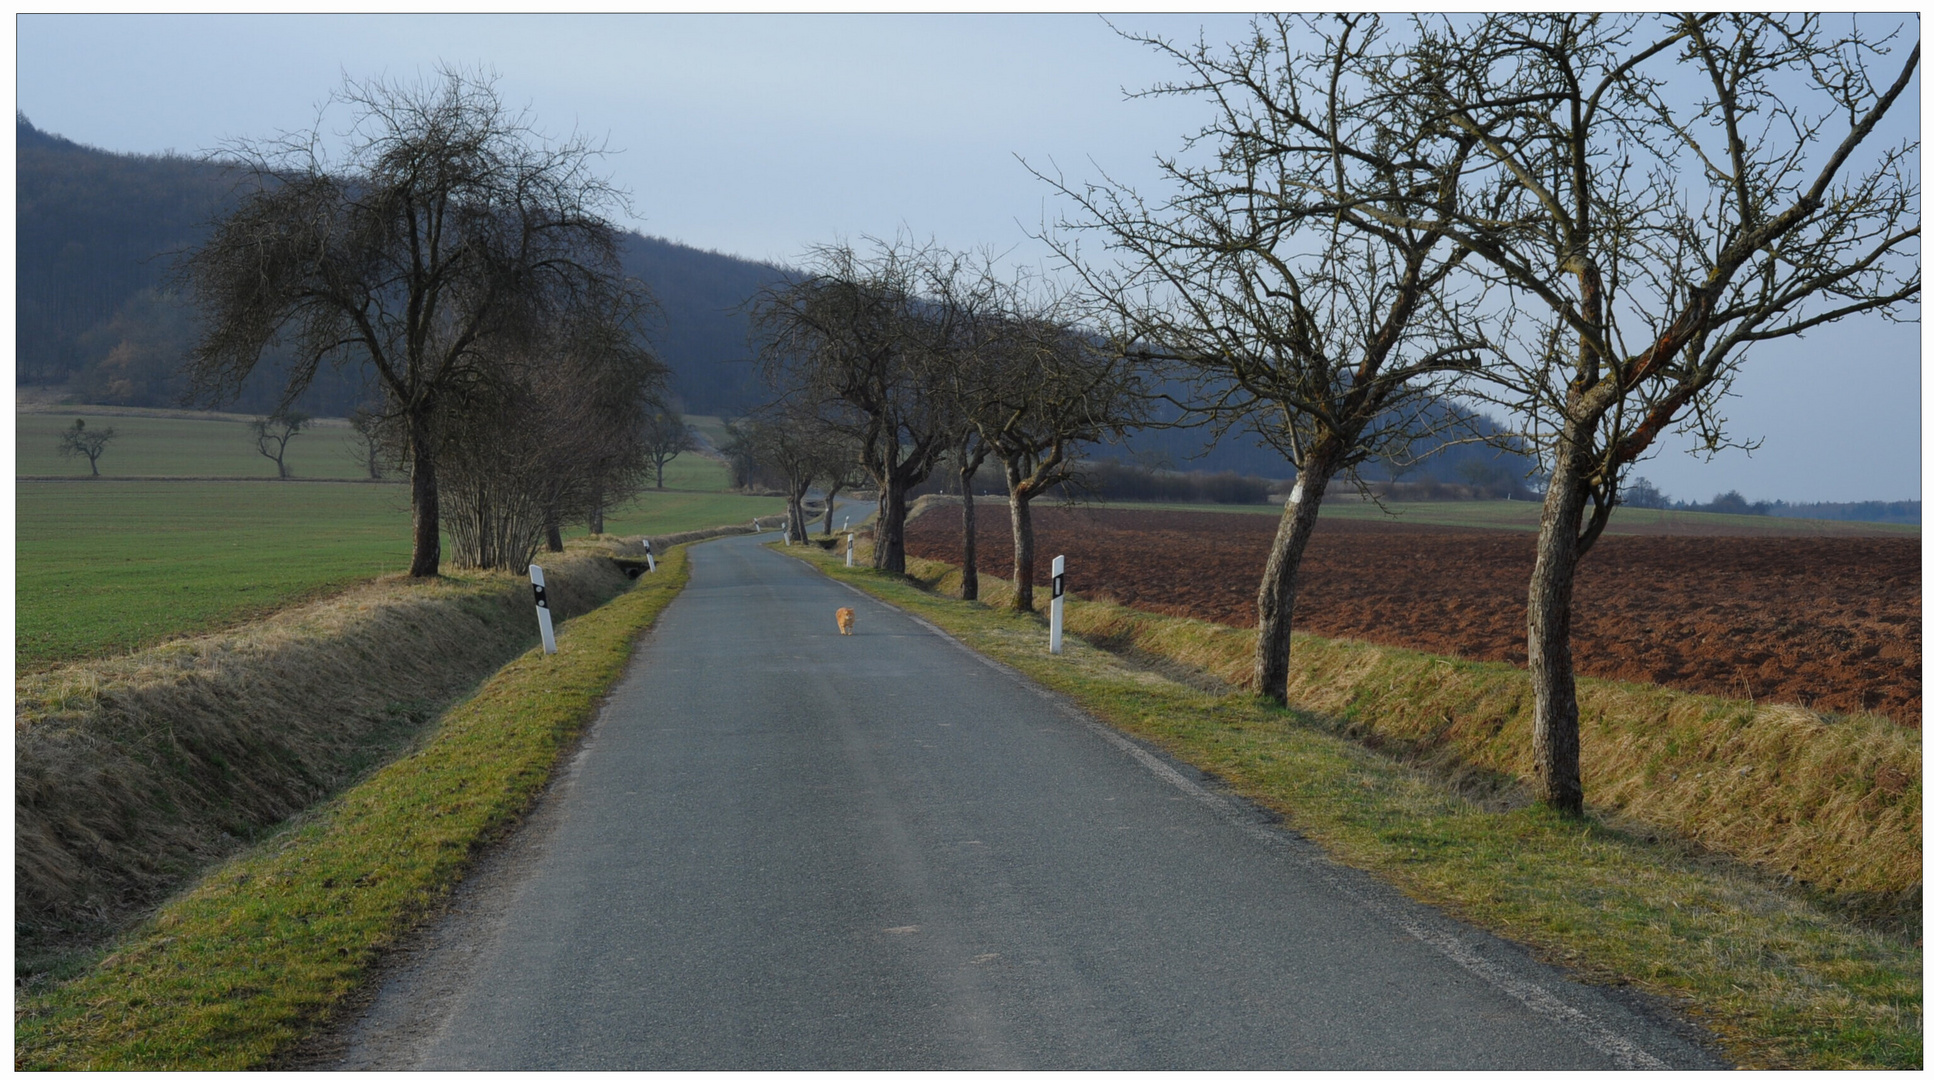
(426, 542)
(969, 572)
(832, 497)
(970, 554)
(553, 538)
(595, 522)
(1276, 598)
(1554, 723)
(890, 533)
(1018, 497)
(796, 511)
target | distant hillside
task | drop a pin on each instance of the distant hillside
(1470, 463)
(97, 232)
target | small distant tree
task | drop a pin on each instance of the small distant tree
(272, 434)
(77, 440)
(370, 449)
(843, 473)
(666, 435)
(1642, 495)
(787, 444)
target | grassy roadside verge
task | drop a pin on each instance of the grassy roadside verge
(259, 953)
(1780, 981)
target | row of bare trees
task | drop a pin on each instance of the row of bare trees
(902, 357)
(1584, 220)
(469, 267)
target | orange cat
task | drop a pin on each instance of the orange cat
(845, 617)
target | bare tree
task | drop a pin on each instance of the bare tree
(1664, 193)
(448, 228)
(618, 385)
(967, 455)
(666, 436)
(791, 444)
(272, 434)
(78, 441)
(982, 317)
(859, 339)
(371, 448)
(1271, 278)
(841, 471)
(1048, 388)
(554, 435)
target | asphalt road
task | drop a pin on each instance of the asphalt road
(783, 848)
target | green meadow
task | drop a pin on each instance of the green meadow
(105, 566)
(189, 445)
(110, 565)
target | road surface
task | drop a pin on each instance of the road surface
(781, 848)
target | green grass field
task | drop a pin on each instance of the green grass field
(180, 446)
(111, 565)
(690, 472)
(104, 566)
(203, 446)
(660, 512)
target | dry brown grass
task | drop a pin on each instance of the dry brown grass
(134, 772)
(1832, 803)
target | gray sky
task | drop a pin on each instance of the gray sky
(760, 135)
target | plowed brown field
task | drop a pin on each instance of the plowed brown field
(1828, 623)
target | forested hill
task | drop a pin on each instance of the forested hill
(97, 231)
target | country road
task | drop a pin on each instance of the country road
(781, 848)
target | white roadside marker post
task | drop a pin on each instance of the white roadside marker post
(651, 564)
(543, 608)
(849, 551)
(755, 525)
(1054, 606)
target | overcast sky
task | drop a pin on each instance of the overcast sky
(760, 135)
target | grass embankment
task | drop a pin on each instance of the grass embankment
(261, 951)
(132, 773)
(1783, 980)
